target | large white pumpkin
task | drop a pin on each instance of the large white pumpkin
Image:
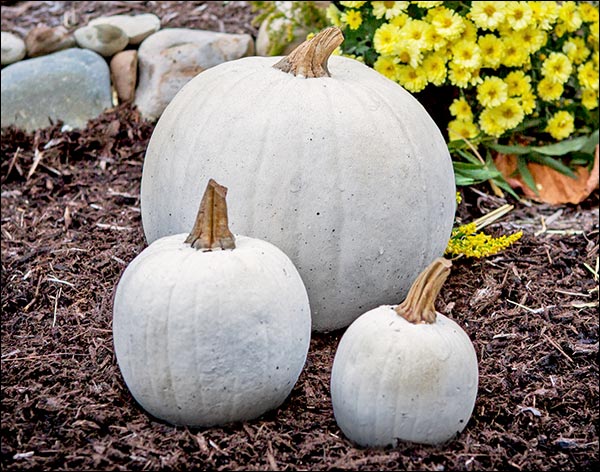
(406, 372)
(205, 338)
(347, 174)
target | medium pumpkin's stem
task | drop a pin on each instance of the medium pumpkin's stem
(309, 59)
(210, 229)
(419, 306)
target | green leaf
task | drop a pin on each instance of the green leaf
(590, 145)
(561, 148)
(500, 182)
(504, 149)
(526, 175)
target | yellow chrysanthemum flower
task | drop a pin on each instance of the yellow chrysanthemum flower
(557, 67)
(353, 4)
(459, 75)
(400, 20)
(489, 123)
(527, 102)
(428, 4)
(466, 54)
(333, 15)
(470, 33)
(461, 129)
(352, 18)
(487, 15)
(588, 12)
(492, 49)
(561, 125)
(569, 15)
(509, 114)
(518, 83)
(515, 55)
(593, 38)
(413, 80)
(531, 38)
(545, 14)
(409, 52)
(434, 40)
(518, 15)
(576, 50)
(434, 66)
(587, 74)
(447, 23)
(461, 109)
(386, 39)
(387, 66)
(549, 91)
(492, 92)
(415, 30)
(388, 10)
(589, 98)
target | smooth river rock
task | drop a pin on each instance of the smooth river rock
(106, 40)
(13, 48)
(72, 86)
(136, 27)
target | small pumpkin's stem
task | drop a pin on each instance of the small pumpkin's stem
(419, 306)
(309, 59)
(210, 229)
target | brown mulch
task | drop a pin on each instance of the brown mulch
(71, 223)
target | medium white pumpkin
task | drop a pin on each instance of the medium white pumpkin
(206, 337)
(405, 373)
(347, 174)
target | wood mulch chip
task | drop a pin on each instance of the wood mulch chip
(71, 223)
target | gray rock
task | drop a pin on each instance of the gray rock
(136, 27)
(43, 40)
(106, 40)
(72, 86)
(13, 48)
(170, 58)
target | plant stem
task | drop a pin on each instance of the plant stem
(309, 59)
(419, 306)
(211, 230)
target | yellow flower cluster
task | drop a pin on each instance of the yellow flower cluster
(466, 241)
(509, 59)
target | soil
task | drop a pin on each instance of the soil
(71, 224)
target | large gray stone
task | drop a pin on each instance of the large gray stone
(170, 58)
(71, 85)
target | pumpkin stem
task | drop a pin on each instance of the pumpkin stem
(419, 306)
(211, 230)
(309, 59)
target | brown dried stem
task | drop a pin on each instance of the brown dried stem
(419, 306)
(309, 59)
(211, 230)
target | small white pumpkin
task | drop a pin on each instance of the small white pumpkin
(211, 328)
(338, 166)
(405, 372)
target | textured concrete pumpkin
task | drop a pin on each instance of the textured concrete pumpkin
(405, 373)
(335, 164)
(206, 337)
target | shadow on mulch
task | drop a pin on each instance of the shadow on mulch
(70, 225)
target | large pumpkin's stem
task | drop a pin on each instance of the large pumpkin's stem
(309, 59)
(210, 229)
(419, 306)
